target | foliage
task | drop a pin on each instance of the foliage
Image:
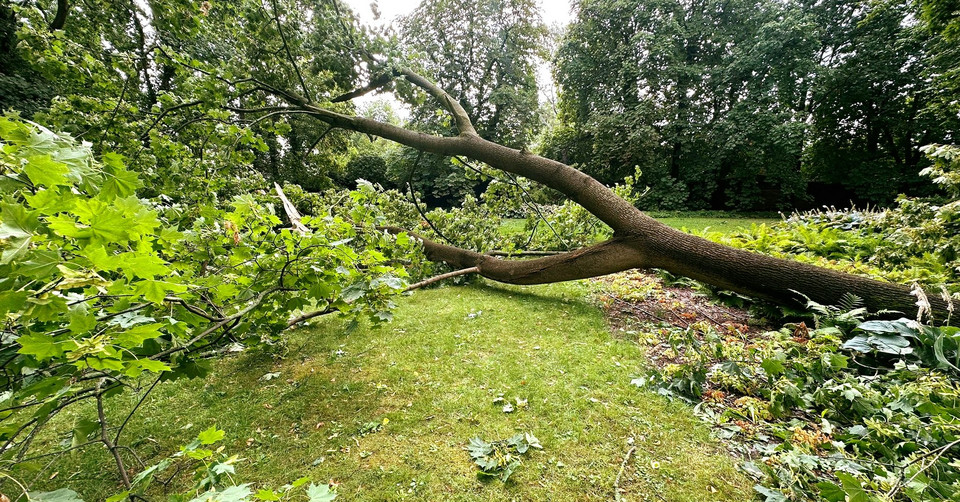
(570, 226)
(740, 104)
(150, 81)
(484, 53)
(869, 403)
(917, 241)
(500, 458)
(101, 288)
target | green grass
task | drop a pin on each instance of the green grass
(691, 221)
(434, 372)
(712, 221)
(510, 226)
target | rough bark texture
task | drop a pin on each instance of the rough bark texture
(639, 241)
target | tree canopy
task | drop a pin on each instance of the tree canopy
(750, 102)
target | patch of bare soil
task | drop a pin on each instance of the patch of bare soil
(635, 298)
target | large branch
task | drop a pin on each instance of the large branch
(60, 19)
(639, 241)
(607, 257)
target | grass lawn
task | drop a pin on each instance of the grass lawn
(696, 221)
(712, 221)
(433, 374)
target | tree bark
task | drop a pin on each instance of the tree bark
(639, 241)
(60, 19)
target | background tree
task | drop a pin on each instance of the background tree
(870, 116)
(747, 102)
(485, 53)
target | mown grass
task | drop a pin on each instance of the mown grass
(696, 221)
(434, 373)
(713, 221)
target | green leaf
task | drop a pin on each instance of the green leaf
(156, 291)
(887, 343)
(239, 493)
(41, 346)
(44, 171)
(12, 301)
(39, 264)
(831, 492)
(15, 220)
(211, 435)
(143, 266)
(10, 230)
(81, 321)
(109, 226)
(320, 493)
(82, 429)
(118, 182)
(135, 336)
(773, 366)
(136, 367)
(120, 497)
(852, 488)
(769, 494)
(61, 495)
(265, 494)
(14, 248)
(147, 474)
(479, 448)
(353, 292)
(901, 326)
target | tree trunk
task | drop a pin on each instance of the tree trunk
(639, 241)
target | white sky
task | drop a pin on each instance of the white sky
(556, 13)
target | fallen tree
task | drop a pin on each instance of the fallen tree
(639, 241)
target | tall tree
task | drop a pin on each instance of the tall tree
(748, 101)
(870, 116)
(485, 52)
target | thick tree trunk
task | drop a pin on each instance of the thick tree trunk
(639, 241)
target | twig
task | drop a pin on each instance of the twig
(623, 465)
(309, 315)
(375, 84)
(116, 109)
(286, 47)
(116, 437)
(524, 196)
(11, 478)
(225, 321)
(940, 451)
(320, 138)
(438, 278)
(416, 204)
(106, 438)
(164, 114)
